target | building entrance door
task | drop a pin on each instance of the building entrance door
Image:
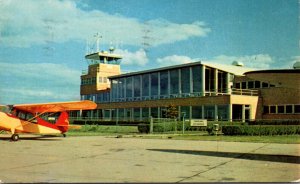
(247, 113)
(237, 112)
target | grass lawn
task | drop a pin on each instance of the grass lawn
(132, 132)
(92, 130)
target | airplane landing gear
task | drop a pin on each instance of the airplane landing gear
(64, 135)
(15, 137)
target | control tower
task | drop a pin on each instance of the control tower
(101, 65)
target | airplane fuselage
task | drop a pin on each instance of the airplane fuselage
(13, 124)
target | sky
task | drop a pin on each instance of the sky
(43, 42)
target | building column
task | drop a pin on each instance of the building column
(191, 80)
(216, 113)
(149, 79)
(158, 84)
(228, 86)
(125, 89)
(141, 87)
(191, 113)
(243, 113)
(230, 112)
(216, 82)
(117, 115)
(203, 80)
(158, 112)
(202, 106)
(179, 81)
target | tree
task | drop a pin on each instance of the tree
(172, 112)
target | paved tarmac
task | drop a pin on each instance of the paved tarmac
(110, 159)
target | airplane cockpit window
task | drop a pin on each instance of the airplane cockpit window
(21, 115)
(31, 118)
(5, 108)
(26, 116)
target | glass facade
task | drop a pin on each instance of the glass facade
(164, 83)
(121, 88)
(145, 113)
(154, 112)
(185, 111)
(129, 83)
(181, 82)
(197, 112)
(209, 80)
(197, 76)
(154, 85)
(223, 112)
(173, 83)
(185, 80)
(209, 112)
(137, 86)
(145, 85)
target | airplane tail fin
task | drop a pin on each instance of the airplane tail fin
(63, 122)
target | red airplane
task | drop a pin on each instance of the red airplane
(35, 118)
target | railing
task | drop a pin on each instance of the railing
(248, 92)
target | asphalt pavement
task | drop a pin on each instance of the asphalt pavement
(110, 159)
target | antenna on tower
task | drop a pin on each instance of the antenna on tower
(97, 36)
(111, 47)
(146, 38)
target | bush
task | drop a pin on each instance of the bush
(164, 126)
(170, 126)
(261, 130)
(275, 122)
(144, 128)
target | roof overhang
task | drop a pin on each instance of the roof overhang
(102, 55)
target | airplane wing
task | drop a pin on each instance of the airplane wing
(56, 106)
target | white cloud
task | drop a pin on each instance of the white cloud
(26, 23)
(290, 63)
(133, 58)
(259, 61)
(174, 60)
(38, 82)
(40, 71)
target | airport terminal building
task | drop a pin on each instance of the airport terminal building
(199, 90)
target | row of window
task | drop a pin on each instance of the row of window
(252, 85)
(100, 97)
(92, 80)
(210, 112)
(188, 80)
(282, 109)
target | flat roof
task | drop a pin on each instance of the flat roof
(274, 71)
(236, 70)
(101, 55)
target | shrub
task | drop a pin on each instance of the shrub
(261, 130)
(275, 122)
(144, 128)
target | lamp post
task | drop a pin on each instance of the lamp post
(183, 122)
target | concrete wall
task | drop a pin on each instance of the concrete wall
(280, 96)
(99, 70)
(246, 100)
(191, 101)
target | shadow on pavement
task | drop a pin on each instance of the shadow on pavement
(37, 138)
(247, 156)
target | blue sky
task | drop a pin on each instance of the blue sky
(43, 42)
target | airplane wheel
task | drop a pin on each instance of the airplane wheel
(64, 135)
(15, 137)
